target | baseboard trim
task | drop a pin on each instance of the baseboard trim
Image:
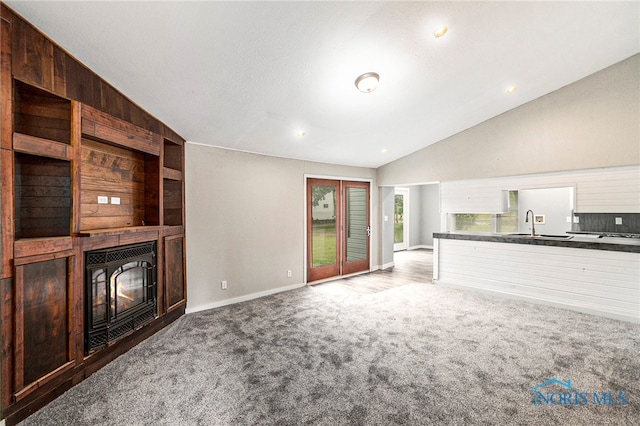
(418, 247)
(388, 265)
(240, 299)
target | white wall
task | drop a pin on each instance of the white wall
(430, 215)
(387, 208)
(588, 124)
(246, 221)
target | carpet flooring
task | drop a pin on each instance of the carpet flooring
(415, 354)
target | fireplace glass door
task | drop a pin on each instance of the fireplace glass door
(122, 285)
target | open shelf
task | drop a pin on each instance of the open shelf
(40, 114)
(42, 196)
(172, 155)
(120, 187)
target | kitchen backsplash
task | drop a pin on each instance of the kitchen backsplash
(606, 222)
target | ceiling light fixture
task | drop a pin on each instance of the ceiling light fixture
(300, 134)
(511, 89)
(384, 150)
(367, 82)
(440, 31)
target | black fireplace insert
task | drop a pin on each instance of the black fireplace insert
(120, 292)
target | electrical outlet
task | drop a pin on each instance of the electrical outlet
(103, 199)
(115, 200)
(289, 274)
(576, 219)
(618, 221)
(224, 285)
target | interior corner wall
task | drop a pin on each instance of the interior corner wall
(430, 213)
(246, 222)
(387, 209)
(591, 123)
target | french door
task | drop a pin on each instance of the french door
(338, 228)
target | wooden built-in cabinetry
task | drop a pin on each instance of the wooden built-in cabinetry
(83, 168)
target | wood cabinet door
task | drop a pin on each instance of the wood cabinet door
(43, 323)
(174, 277)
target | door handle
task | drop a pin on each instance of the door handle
(368, 231)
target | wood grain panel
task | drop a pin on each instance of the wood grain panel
(7, 312)
(81, 84)
(173, 155)
(32, 53)
(6, 85)
(174, 271)
(172, 202)
(43, 197)
(107, 128)
(111, 171)
(42, 147)
(37, 246)
(46, 323)
(152, 190)
(7, 218)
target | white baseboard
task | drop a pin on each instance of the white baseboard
(418, 247)
(388, 265)
(239, 299)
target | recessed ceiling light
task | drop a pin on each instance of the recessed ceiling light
(511, 89)
(367, 82)
(384, 150)
(300, 134)
(440, 31)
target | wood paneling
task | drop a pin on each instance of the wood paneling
(39, 246)
(173, 155)
(32, 53)
(151, 190)
(7, 312)
(42, 197)
(42, 147)
(41, 114)
(51, 180)
(45, 318)
(112, 172)
(174, 271)
(172, 202)
(101, 126)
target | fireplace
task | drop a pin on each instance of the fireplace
(120, 292)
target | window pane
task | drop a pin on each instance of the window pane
(473, 222)
(323, 212)
(356, 215)
(398, 219)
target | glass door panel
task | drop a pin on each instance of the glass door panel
(357, 230)
(400, 223)
(323, 214)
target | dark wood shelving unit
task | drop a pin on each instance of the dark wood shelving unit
(83, 168)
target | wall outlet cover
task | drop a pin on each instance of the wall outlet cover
(115, 200)
(103, 199)
(618, 221)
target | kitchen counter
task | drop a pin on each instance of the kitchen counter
(582, 241)
(590, 274)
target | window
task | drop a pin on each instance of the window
(501, 223)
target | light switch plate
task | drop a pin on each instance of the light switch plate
(103, 200)
(115, 200)
(576, 219)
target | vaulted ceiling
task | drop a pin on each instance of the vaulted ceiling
(252, 75)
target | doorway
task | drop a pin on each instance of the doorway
(338, 228)
(401, 219)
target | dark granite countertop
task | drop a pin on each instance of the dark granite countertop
(630, 245)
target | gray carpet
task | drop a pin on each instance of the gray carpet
(416, 354)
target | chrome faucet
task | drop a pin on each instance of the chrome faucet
(533, 219)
